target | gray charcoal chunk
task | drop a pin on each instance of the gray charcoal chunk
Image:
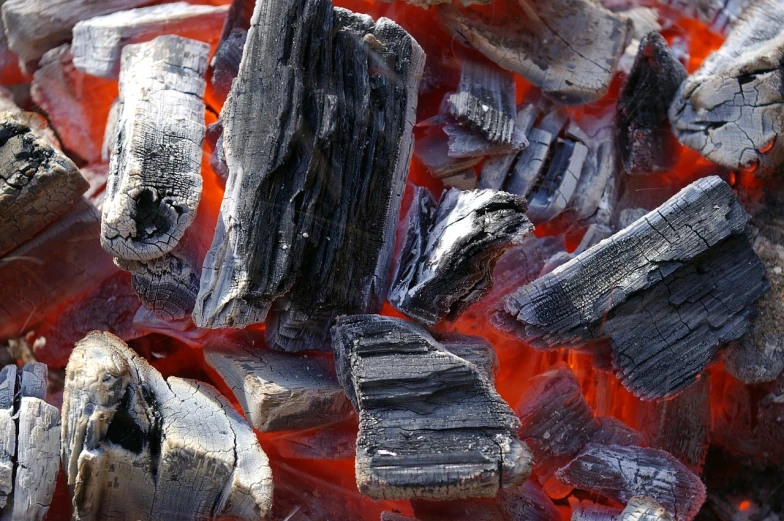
(33, 380)
(530, 163)
(559, 183)
(586, 510)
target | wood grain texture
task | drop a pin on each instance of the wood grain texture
(430, 424)
(38, 183)
(307, 222)
(686, 266)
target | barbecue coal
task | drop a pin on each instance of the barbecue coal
(559, 183)
(474, 349)
(422, 411)
(689, 260)
(450, 250)
(644, 508)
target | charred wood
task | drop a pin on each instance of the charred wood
(474, 349)
(594, 196)
(559, 183)
(644, 508)
(530, 163)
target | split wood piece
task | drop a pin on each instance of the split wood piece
(279, 391)
(530, 163)
(719, 15)
(645, 141)
(687, 260)
(485, 101)
(7, 433)
(587, 510)
(433, 151)
(559, 183)
(614, 432)
(644, 508)
(304, 197)
(430, 424)
(154, 183)
(331, 442)
(569, 50)
(38, 183)
(621, 473)
(474, 349)
(62, 261)
(136, 445)
(36, 26)
(730, 109)
(449, 252)
(98, 42)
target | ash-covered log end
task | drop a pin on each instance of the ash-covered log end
(430, 424)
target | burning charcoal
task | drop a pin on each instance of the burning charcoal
(645, 141)
(599, 168)
(621, 473)
(449, 252)
(474, 349)
(430, 424)
(333, 258)
(278, 391)
(559, 183)
(98, 42)
(433, 151)
(485, 101)
(643, 508)
(463, 180)
(614, 432)
(331, 442)
(38, 183)
(150, 439)
(644, 20)
(687, 267)
(528, 502)
(530, 163)
(569, 50)
(586, 510)
(730, 108)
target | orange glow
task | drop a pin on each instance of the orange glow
(744, 505)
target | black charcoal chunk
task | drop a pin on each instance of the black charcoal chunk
(560, 181)
(430, 424)
(449, 252)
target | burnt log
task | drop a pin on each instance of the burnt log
(430, 424)
(319, 196)
(687, 267)
(449, 252)
(136, 445)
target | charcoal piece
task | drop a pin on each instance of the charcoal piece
(485, 101)
(463, 180)
(98, 42)
(279, 391)
(38, 183)
(621, 473)
(594, 195)
(331, 442)
(449, 252)
(430, 424)
(317, 234)
(612, 431)
(528, 502)
(687, 266)
(730, 109)
(226, 62)
(154, 183)
(530, 163)
(495, 170)
(586, 510)
(645, 142)
(464, 142)
(569, 50)
(474, 349)
(644, 508)
(136, 445)
(433, 151)
(559, 183)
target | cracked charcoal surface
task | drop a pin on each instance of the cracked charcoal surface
(38, 183)
(621, 473)
(327, 236)
(730, 109)
(151, 440)
(559, 183)
(279, 391)
(687, 267)
(430, 424)
(568, 49)
(450, 250)
(645, 140)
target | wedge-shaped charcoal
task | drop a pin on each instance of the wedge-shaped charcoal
(645, 141)
(474, 349)
(430, 424)
(485, 101)
(528, 502)
(38, 183)
(586, 510)
(730, 109)
(98, 42)
(530, 163)
(35, 26)
(621, 473)
(319, 196)
(560, 181)
(449, 252)
(154, 181)
(644, 508)
(278, 391)
(136, 445)
(668, 290)
(570, 50)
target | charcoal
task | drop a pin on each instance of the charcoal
(621, 473)
(528, 502)
(474, 349)
(586, 510)
(331, 442)
(226, 62)
(317, 235)
(643, 508)
(279, 391)
(137, 446)
(98, 42)
(463, 180)
(730, 108)
(569, 50)
(433, 151)
(430, 424)
(530, 163)
(612, 431)
(465, 142)
(645, 141)
(38, 183)
(559, 183)
(495, 170)
(719, 15)
(687, 267)
(449, 252)
(599, 169)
